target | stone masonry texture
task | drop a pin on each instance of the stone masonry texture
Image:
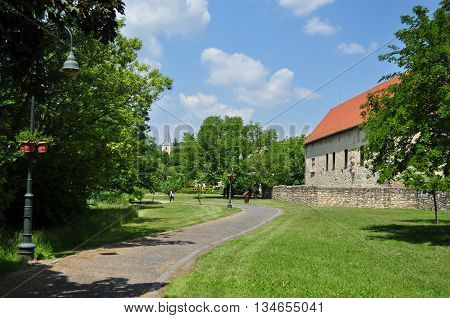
(369, 197)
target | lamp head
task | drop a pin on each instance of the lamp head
(71, 67)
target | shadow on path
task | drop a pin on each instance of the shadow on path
(56, 284)
(147, 241)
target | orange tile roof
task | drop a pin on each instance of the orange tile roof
(346, 115)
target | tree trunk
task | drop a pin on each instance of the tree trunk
(435, 207)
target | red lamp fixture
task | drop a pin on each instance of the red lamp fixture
(42, 147)
(33, 147)
(27, 146)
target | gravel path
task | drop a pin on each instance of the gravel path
(136, 268)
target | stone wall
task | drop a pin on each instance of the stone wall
(361, 197)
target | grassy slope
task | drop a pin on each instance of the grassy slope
(110, 224)
(329, 252)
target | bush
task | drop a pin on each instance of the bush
(9, 242)
(138, 194)
(110, 198)
(199, 198)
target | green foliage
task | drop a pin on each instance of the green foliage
(139, 193)
(407, 125)
(9, 241)
(24, 34)
(204, 191)
(209, 158)
(98, 122)
(199, 197)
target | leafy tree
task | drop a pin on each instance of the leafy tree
(189, 160)
(407, 125)
(209, 136)
(98, 123)
(210, 156)
(25, 27)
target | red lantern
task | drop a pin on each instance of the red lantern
(27, 146)
(42, 147)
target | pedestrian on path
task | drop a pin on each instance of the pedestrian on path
(171, 196)
(246, 196)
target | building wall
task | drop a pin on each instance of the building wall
(354, 175)
(361, 197)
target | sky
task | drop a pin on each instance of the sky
(283, 63)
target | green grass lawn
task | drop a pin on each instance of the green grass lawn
(328, 252)
(108, 224)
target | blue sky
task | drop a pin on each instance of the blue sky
(255, 58)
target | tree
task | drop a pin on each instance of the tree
(98, 122)
(27, 27)
(407, 125)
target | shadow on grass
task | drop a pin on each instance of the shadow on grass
(141, 220)
(416, 234)
(138, 203)
(427, 221)
(147, 207)
(51, 283)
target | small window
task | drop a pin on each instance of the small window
(313, 174)
(361, 156)
(326, 162)
(334, 160)
(345, 158)
(313, 164)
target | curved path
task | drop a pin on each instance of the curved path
(135, 268)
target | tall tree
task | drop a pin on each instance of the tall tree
(407, 125)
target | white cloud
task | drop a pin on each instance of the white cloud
(277, 90)
(303, 7)
(351, 48)
(355, 48)
(248, 79)
(232, 69)
(155, 47)
(150, 19)
(316, 26)
(175, 17)
(153, 52)
(202, 105)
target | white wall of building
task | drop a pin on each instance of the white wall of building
(354, 175)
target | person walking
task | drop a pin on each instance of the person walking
(171, 196)
(246, 196)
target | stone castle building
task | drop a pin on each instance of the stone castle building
(335, 174)
(333, 157)
(167, 144)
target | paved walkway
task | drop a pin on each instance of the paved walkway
(135, 268)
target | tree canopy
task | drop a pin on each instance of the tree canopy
(226, 145)
(98, 124)
(407, 125)
(27, 28)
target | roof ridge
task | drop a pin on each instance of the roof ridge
(339, 118)
(364, 93)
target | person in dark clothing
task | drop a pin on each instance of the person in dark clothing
(247, 195)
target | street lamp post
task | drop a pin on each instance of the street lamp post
(231, 177)
(26, 248)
